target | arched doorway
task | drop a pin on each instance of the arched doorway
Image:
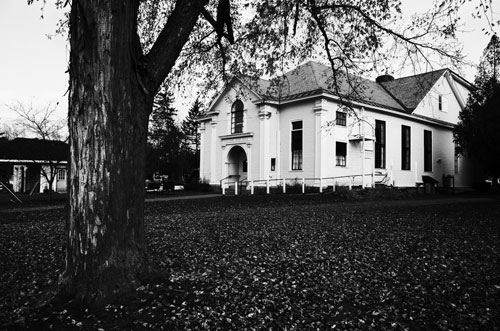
(237, 163)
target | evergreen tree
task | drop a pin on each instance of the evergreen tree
(191, 150)
(165, 137)
(190, 126)
(476, 134)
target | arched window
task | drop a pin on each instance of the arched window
(237, 117)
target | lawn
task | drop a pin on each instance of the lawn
(286, 263)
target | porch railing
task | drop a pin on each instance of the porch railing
(10, 192)
(226, 181)
(299, 185)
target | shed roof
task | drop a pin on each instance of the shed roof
(30, 149)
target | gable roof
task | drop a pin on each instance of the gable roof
(409, 91)
(312, 78)
(29, 149)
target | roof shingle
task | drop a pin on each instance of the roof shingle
(34, 149)
(409, 91)
(311, 78)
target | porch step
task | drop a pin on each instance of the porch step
(242, 191)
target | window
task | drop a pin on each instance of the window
(440, 102)
(297, 145)
(380, 144)
(237, 117)
(341, 118)
(427, 150)
(273, 164)
(457, 158)
(245, 166)
(405, 147)
(340, 154)
(61, 174)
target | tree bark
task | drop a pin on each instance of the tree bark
(108, 117)
(112, 87)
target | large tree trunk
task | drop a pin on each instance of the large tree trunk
(112, 86)
(108, 125)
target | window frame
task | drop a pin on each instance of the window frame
(297, 155)
(427, 151)
(340, 159)
(405, 147)
(237, 117)
(61, 174)
(341, 118)
(380, 144)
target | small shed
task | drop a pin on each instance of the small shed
(23, 161)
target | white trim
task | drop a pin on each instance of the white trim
(236, 135)
(454, 89)
(32, 161)
(398, 113)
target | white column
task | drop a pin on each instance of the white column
(363, 161)
(318, 109)
(416, 172)
(250, 165)
(213, 152)
(278, 154)
(202, 150)
(264, 115)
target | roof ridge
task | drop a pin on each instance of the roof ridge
(314, 73)
(409, 91)
(422, 74)
(394, 97)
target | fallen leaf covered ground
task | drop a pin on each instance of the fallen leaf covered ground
(282, 263)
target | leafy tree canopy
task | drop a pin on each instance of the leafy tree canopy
(264, 38)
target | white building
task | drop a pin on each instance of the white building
(400, 130)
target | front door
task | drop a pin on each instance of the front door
(237, 164)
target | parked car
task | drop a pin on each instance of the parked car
(161, 183)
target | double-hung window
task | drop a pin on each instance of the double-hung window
(340, 154)
(405, 147)
(379, 144)
(427, 150)
(296, 145)
(341, 118)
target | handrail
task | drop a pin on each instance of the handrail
(12, 193)
(310, 178)
(301, 181)
(223, 179)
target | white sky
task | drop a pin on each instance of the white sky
(32, 67)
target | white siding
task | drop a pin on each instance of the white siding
(269, 136)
